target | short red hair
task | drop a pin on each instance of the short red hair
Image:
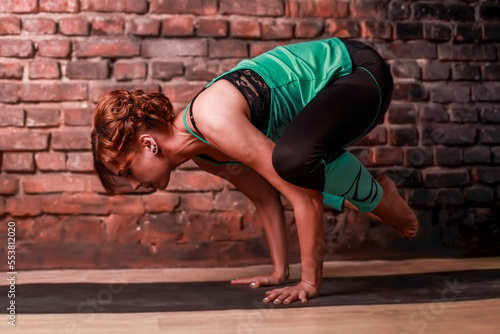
(117, 118)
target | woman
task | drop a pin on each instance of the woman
(286, 116)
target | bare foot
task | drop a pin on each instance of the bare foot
(394, 211)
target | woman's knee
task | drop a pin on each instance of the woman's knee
(285, 162)
(295, 166)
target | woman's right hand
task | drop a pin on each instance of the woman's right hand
(265, 280)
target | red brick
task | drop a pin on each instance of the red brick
(127, 205)
(181, 92)
(199, 7)
(376, 29)
(233, 201)
(44, 69)
(99, 90)
(403, 136)
(449, 93)
(9, 185)
(409, 91)
(59, 6)
(69, 140)
(10, 26)
(448, 134)
(241, 28)
(125, 71)
(438, 177)
(16, 48)
(12, 117)
(491, 32)
(466, 72)
(53, 92)
(437, 32)
(156, 228)
(47, 229)
(419, 156)
(195, 181)
(11, 71)
(435, 70)
(18, 162)
(167, 70)
(197, 202)
(377, 136)
(257, 48)
(387, 156)
(474, 52)
(9, 92)
(80, 162)
(23, 6)
(23, 206)
(343, 28)
(277, 29)
(36, 118)
(202, 71)
(23, 140)
(489, 135)
(50, 162)
(486, 91)
(122, 228)
(317, 8)
(127, 6)
(78, 116)
(74, 26)
(412, 50)
(178, 26)
(369, 9)
(91, 70)
(107, 47)
(309, 28)
(228, 49)
(107, 26)
(208, 27)
(84, 203)
(39, 26)
(56, 183)
(402, 113)
(226, 226)
(143, 26)
(448, 156)
(54, 48)
(174, 47)
(252, 7)
(409, 30)
(161, 202)
(405, 69)
(83, 229)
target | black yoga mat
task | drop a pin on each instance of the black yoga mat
(170, 297)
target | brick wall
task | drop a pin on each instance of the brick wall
(439, 142)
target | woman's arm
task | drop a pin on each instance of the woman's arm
(230, 131)
(270, 212)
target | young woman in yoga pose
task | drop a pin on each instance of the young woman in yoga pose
(286, 116)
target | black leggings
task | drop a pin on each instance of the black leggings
(337, 116)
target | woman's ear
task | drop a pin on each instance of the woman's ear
(148, 142)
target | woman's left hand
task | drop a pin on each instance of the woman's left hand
(303, 292)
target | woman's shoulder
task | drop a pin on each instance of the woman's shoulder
(220, 101)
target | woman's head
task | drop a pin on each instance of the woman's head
(120, 120)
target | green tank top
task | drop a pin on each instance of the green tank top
(295, 74)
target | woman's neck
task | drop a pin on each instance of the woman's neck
(178, 144)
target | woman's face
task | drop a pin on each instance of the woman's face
(148, 168)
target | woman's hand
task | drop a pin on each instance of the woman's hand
(303, 292)
(258, 281)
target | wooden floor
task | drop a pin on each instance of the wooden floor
(435, 317)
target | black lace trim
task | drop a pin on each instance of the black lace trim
(256, 92)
